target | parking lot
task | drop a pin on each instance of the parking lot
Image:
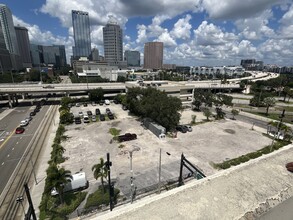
(209, 142)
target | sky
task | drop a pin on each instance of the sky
(194, 32)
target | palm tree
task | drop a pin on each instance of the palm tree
(57, 153)
(269, 102)
(100, 171)
(58, 178)
(234, 113)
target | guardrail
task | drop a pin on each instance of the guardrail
(22, 173)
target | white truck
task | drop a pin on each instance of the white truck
(78, 182)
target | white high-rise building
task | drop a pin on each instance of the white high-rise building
(113, 43)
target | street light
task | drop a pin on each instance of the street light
(131, 172)
(278, 128)
(160, 168)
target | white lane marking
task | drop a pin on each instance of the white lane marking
(8, 155)
(12, 148)
(2, 163)
(17, 142)
(20, 137)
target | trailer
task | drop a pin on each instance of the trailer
(78, 182)
(155, 128)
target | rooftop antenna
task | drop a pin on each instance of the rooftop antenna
(112, 20)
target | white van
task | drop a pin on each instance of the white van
(86, 119)
(107, 101)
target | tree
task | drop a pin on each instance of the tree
(269, 102)
(58, 178)
(193, 119)
(234, 113)
(65, 101)
(220, 113)
(290, 95)
(57, 153)
(100, 171)
(96, 94)
(286, 91)
(121, 79)
(207, 113)
(66, 117)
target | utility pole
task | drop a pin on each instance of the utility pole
(109, 164)
(278, 128)
(31, 206)
(131, 177)
(160, 157)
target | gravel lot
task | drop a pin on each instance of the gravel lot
(209, 142)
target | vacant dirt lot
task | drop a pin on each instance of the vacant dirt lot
(209, 142)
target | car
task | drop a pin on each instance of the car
(77, 105)
(98, 111)
(115, 101)
(89, 113)
(181, 128)
(77, 120)
(29, 118)
(188, 127)
(93, 104)
(94, 118)
(127, 137)
(24, 123)
(19, 130)
(80, 114)
(102, 102)
(107, 110)
(102, 117)
(86, 119)
(111, 116)
(32, 113)
(107, 101)
(124, 107)
(85, 104)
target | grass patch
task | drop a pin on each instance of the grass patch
(244, 158)
(121, 146)
(100, 197)
(114, 131)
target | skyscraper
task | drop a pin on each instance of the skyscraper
(5, 60)
(113, 43)
(132, 58)
(7, 26)
(81, 31)
(23, 46)
(153, 55)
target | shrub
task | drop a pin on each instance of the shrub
(114, 131)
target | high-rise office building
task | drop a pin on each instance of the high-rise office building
(7, 26)
(5, 60)
(94, 54)
(23, 46)
(153, 55)
(132, 58)
(81, 31)
(113, 43)
(36, 53)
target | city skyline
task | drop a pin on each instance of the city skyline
(193, 32)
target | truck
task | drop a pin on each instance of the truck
(155, 128)
(77, 182)
(127, 137)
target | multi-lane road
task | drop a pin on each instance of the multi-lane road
(13, 146)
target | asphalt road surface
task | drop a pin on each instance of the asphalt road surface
(13, 146)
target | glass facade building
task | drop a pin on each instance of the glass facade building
(81, 31)
(132, 57)
(23, 46)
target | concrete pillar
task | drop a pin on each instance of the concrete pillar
(16, 99)
(23, 95)
(13, 99)
(9, 101)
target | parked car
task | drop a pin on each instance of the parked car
(94, 118)
(188, 127)
(107, 110)
(86, 119)
(111, 116)
(89, 113)
(115, 101)
(32, 113)
(93, 104)
(102, 117)
(127, 137)
(77, 104)
(98, 111)
(107, 101)
(80, 114)
(181, 128)
(124, 107)
(19, 130)
(77, 120)
(85, 104)
(24, 123)
(102, 102)
(29, 118)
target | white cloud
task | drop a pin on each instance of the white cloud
(182, 28)
(231, 9)
(256, 28)
(166, 39)
(141, 34)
